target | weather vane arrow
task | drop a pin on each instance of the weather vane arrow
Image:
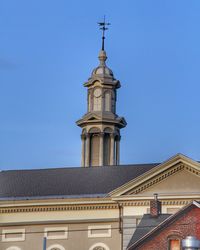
(103, 26)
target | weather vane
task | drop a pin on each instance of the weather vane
(103, 28)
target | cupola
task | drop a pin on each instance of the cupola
(101, 125)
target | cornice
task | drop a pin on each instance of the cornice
(192, 170)
(53, 208)
(61, 208)
(169, 202)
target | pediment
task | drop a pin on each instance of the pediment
(182, 182)
(177, 175)
(88, 118)
(91, 117)
(179, 178)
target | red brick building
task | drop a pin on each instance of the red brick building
(164, 231)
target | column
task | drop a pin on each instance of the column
(118, 150)
(83, 150)
(101, 159)
(87, 151)
(112, 149)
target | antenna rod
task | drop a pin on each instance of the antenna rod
(44, 243)
(103, 28)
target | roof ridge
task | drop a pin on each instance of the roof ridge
(79, 167)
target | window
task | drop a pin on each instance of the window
(174, 244)
(97, 99)
(107, 101)
(106, 149)
(56, 247)
(89, 102)
(55, 233)
(99, 231)
(99, 246)
(97, 103)
(9, 235)
(94, 150)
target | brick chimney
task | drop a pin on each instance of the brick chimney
(155, 206)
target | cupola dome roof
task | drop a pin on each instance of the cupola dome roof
(102, 70)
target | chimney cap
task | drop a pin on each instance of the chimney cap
(155, 196)
(155, 206)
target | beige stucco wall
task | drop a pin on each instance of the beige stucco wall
(179, 183)
(140, 210)
(58, 215)
(77, 237)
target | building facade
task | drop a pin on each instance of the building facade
(97, 206)
(84, 208)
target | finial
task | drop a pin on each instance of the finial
(103, 28)
(102, 57)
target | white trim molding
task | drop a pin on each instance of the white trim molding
(100, 244)
(99, 234)
(56, 230)
(11, 232)
(55, 246)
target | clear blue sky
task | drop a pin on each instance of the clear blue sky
(48, 50)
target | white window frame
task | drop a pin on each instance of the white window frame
(54, 230)
(100, 244)
(99, 235)
(13, 231)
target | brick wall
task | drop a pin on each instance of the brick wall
(188, 224)
(155, 207)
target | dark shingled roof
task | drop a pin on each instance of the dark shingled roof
(64, 182)
(146, 224)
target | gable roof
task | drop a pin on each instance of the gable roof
(164, 169)
(146, 224)
(141, 236)
(67, 182)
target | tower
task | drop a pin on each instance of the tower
(101, 125)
